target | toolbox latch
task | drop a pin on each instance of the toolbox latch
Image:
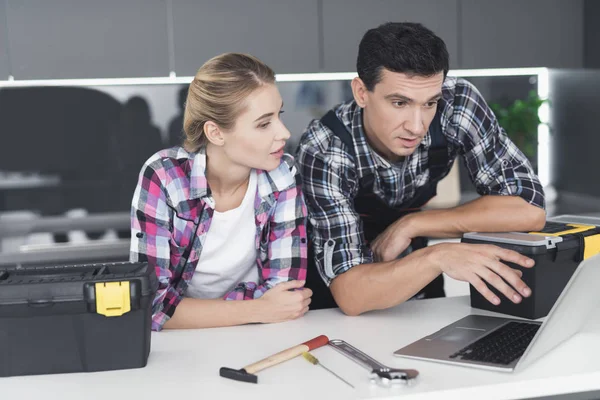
(113, 298)
(592, 246)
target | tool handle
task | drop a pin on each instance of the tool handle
(287, 354)
(355, 354)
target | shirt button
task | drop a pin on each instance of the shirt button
(139, 235)
(303, 240)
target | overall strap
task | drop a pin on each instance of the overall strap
(438, 151)
(331, 121)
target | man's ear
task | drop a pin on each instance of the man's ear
(213, 133)
(359, 90)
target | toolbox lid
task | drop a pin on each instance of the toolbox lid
(104, 285)
(517, 238)
(576, 219)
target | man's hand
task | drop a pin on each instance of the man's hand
(479, 263)
(393, 241)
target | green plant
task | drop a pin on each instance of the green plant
(520, 121)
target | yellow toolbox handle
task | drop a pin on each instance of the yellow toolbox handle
(113, 298)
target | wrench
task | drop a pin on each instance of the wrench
(380, 374)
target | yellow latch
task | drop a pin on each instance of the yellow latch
(592, 246)
(573, 228)
(112, 298)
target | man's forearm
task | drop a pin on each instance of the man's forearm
(487, 213)
(378, 286)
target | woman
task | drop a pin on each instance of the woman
(223, 217)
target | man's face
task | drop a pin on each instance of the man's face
(399, 110)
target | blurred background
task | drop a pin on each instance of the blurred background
(89, 90)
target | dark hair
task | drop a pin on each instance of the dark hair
(400, 47)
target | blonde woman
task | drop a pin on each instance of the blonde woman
(223, 217)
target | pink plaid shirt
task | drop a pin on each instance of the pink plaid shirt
(172, 209)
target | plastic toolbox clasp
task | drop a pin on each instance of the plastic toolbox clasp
(113, 298)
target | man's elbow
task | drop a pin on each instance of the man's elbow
(342, 296)
(536, 218)
(349, 308)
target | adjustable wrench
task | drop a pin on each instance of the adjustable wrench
(380, 374)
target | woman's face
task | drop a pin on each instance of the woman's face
(258, 137)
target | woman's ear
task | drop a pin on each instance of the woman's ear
(213, 133)
(359, 90)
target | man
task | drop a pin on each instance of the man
(369, 164)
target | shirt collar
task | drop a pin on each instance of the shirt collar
(269, 182)
(277, 180)
(198, 183)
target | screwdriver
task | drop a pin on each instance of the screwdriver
(313, 360)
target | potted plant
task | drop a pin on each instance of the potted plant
(520, 121)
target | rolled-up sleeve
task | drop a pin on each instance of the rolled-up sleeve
(337, 234)
(495, 164)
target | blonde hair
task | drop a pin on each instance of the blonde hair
(218, 91)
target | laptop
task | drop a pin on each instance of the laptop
(507, 344)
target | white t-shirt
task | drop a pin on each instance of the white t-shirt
(229, 251)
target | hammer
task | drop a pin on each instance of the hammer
(246, 374)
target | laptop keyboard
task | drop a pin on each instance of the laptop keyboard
(502, 346)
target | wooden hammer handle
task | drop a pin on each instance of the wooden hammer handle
(287, 354)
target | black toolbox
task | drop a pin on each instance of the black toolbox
(557, 250)
(77, 318)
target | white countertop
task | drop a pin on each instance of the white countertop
(185, 364)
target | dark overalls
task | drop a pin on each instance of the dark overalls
(376, 216)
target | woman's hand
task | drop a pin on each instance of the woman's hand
(282, 303)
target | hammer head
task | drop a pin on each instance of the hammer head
(238, 375)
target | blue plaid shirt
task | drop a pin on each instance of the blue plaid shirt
(331, 174)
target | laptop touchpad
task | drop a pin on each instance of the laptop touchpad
(459, 334)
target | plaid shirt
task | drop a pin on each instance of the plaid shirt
(172, 205)
(331, 175)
